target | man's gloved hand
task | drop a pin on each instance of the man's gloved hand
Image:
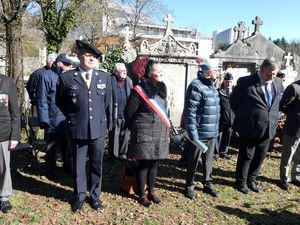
(44, 125)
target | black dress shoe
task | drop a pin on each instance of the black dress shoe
(284, 185)
(77, 206)
(6, 206)
(296, 182)
(96, 204)
(243, 188)
(122, 157)
(53, 175)
(190, 194)
(253, 187)
(225, 156)
(211, 191)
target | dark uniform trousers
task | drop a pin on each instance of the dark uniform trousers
(207, 163)
(93, 149)
(252, 153)
(85, 111)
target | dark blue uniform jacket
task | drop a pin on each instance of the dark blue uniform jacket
(83, 107)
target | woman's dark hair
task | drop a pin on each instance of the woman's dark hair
(149, 67)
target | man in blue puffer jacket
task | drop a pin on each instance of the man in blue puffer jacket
(51, 118)
(201, 118)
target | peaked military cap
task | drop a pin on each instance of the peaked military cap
(85, 45)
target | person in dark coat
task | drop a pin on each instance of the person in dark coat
(118, 133)
(226, 116)
(83, 96)
(290, 105)
(31, 84)
(51, 118)
(201, 119)
(255, 102)
(149, 134)
(9, 136)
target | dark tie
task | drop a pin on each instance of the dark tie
(88, 79)
(268, 94)
(87, 76)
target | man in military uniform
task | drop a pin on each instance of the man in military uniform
(83, 96)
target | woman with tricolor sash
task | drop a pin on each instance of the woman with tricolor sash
(147, 119)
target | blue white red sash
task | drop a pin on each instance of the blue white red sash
(155, 104)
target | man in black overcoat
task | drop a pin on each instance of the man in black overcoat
(255, 102)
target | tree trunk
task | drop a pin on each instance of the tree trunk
(14, 57)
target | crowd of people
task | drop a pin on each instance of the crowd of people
(79, 107)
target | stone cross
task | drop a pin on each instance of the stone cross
(168, 19)
(257, 23)
(127, 34)
(288, 59)
(240, 29)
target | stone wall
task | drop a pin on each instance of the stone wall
(177, 80)
(30, 64)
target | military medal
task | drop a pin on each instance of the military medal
(101, 86)
(4, 99)
(74, 99)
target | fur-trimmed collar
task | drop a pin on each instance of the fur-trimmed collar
(152, 90)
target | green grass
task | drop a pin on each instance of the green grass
(37, 200)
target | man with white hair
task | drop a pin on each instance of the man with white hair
(118, 134)
(201, 119)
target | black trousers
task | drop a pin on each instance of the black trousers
(252, 153)
(94, 150)
(146, 174)
(118, 140)
(57, 142)
(207, 163)
(224, 140)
